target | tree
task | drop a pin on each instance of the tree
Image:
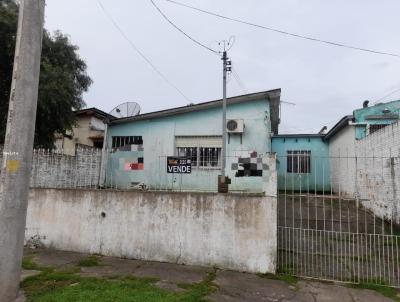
(63, 79)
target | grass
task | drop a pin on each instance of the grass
(65, 286)
(288, 278)
(29, 264)
(380, 287)
(199, 291)
(89, 261)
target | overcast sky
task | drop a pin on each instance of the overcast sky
(325, 82)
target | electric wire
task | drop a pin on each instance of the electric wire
(119, 29)
(283, 32)
(239, 81)
(387, 95)
(180, 30)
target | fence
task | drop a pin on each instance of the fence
(249, 172)
(328, 234)
(55, 169)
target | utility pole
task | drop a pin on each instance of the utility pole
(223, 151)
(223, 181)
(18, 147)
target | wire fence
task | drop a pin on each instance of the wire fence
(329, 233)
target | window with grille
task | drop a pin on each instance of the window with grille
(188, 152)
(204, 151)
(125, 143)
(299, 161)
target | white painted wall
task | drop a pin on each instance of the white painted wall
(237, 232)
(378, 172)
(343, 162)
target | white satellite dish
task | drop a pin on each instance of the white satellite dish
(126, 110)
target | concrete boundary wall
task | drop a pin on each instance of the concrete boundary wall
(237, 232)
(378, 172)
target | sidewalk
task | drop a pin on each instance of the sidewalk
(216, 285)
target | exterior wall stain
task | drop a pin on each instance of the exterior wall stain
(232, 231)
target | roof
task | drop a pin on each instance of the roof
(96, 112)
(273, 96)
(339, 126)
(307, 135)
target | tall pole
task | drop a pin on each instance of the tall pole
(223, 151)
(18, 147)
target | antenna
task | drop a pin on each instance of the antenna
(127, 109)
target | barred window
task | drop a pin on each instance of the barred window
(210, 157)
(188, 152)
(204, 151)
(299, 161)
(125, 143)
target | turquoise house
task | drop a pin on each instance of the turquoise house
(139, 147)
(302, 162)
(370, 119)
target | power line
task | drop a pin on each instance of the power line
(180, 30)
(119, 29)
(239, 81)
(282, 31)
(387, 95)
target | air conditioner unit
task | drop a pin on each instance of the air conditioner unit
(235, 126)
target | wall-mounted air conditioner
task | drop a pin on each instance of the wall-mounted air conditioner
(235, 126)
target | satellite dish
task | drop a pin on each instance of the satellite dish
(126, 110)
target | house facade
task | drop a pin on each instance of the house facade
(329, 162)
(89, 130)
(346, 135)
(302, 162)
(140, 147)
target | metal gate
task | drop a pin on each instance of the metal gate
(338, 218)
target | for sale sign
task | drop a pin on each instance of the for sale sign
(179, 165)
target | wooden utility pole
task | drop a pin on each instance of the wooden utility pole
(18, 147)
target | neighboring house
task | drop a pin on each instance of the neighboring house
(367, 120)
(343, 139)
(88, 131)
(328, 162)
(139, 145)
(302, 162)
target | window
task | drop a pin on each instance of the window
(204, 151)
(189, 152)
(299, 161)
(125, 143)
(210, 157)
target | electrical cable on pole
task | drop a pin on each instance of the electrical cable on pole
(282, 31)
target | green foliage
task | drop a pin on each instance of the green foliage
(63, 286)
(199, 291)
(29, 264)
(288, 278)
(380, 287)
(89, 261)
(63, 79)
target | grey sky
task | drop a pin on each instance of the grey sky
(325, 82)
